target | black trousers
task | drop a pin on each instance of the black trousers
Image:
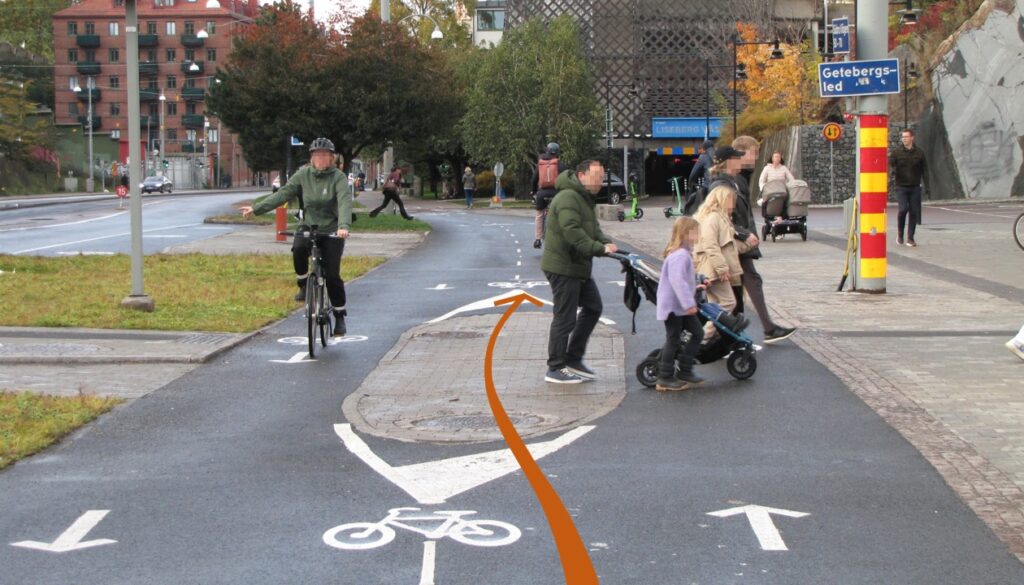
(753, 285)
(331, 250)
(390, 195)
(674, 348)
(909, 199)
(569, 334)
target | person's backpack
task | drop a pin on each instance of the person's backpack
(694, 199)
(631, 296)
(547, 173)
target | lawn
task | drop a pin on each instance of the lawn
(192, 292)
(364, 223)
(31, 422)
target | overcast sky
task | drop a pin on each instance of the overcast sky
(324, 7)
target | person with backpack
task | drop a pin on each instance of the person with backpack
(549, 166)
(469, 186)
(702, 168)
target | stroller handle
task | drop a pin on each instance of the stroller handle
(621, 256)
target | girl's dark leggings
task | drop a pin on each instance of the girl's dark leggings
(674, 348)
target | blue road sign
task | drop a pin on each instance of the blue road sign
(296, 142)
(852, 78)
(840, 35)
(685, 127)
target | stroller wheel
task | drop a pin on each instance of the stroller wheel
(647, 372)
(742, 364)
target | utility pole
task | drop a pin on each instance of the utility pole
(137, 299)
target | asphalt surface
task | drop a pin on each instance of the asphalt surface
(234, 472)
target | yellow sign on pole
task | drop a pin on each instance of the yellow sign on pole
(832, 131)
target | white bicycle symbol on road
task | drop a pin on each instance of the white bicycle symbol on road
(441, 523)
(527, 284)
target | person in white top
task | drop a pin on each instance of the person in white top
(775, 171)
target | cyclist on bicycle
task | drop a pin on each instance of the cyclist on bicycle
(327, 204)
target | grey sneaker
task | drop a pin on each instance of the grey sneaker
(778, 334)
(581, 370)
(562, 376)
(1016, 347)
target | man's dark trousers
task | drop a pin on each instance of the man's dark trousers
(753, 285)
(909, 199)
(569, 334)
(390, 195)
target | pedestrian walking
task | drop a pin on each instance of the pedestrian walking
(391, 185)
(677, 307)
(907, 166)
(717, 252)
(549, 168)
(746, 147)
(775, 170)
(469, 186)
(1016, 345)
(701, 171)
(574, 238)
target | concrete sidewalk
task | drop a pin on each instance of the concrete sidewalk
(928, 355)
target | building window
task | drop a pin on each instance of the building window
(90, 28)
(72, 82)
(118, 3)
(211, 55)
(90, 55)
(154, 110)
(190, 27)
(151, 85)
(115, 82)
(190, 134)
(172, 55)
(115, 109)
(489, 20)
(172, 81)
(114, 29)
(151, 55)
(211, 27)
(172, 108)
(190, 55)
(190, 108)
(115, 55)
(171, 29)
(172, 134)
(115, 134)
(150, 27)
(72, 29)
(212, 136)
(190, 82)
(73, 108)
(72, 55)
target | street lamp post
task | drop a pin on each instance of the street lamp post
(741, 70)
(909, 72)
(89, 84)
(206, 146)
(737, 71)
(163, 100)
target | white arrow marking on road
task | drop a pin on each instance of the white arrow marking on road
(761, 521)
(488, 304)
(299, 358)
(433, 482)
(440, 287)
(71, 539)
(621, 283)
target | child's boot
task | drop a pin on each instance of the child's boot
(686, 374)
(670, 384)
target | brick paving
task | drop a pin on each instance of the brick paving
(927, 356)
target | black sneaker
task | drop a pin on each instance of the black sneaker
(581, 370)
(408, 218)
(301, 295)
(778, 334)
(899, 240)
(339, 326)
(672, 384)
(536, 244)
(562, 376)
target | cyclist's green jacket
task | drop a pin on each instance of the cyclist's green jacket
(326, 198)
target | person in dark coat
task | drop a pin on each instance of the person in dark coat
(908, 167)
(702, 168)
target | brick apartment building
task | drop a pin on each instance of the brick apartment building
(181, 45)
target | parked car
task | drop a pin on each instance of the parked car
(156, 183)
(618, 191)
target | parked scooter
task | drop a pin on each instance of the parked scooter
(680, 194)
(634, 211)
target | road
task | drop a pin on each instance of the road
(243, 471)
(103, 226)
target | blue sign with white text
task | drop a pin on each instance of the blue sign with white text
(853, 78)
(840, 35)
(686, 127)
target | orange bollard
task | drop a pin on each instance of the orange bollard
(282, 223)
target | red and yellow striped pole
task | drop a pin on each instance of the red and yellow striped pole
(873, 143)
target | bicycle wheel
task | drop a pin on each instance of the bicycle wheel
(359, 536)
(485, 533)
(324, 317)
(1018, 231)
(312, 306)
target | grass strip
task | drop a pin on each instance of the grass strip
(193, 292)
(364, 223)
(31, 422)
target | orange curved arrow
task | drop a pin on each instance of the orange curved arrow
(575, 562)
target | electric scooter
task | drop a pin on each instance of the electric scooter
(677, 211)
(634, 211)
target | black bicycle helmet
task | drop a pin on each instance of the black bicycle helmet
(553, 148)
(321, 144)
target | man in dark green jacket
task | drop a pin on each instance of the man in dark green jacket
(572, 238)
(327, 204)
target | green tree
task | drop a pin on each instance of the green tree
(19, 129)
(30, 22)
(535, 87)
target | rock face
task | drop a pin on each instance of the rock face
(978, 83)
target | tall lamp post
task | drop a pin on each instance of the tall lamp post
(741, 72)
(909, 72)
(89, 84)
(163, 100)
(206, 147)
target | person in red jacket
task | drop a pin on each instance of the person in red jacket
(391, 185)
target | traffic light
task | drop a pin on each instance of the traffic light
(163, 163)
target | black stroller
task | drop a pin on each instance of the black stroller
(731, 343)
(784, 209)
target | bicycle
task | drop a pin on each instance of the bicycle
(319, 311)
(1018, 230)
(367, 535)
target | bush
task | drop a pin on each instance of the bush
(485, 184)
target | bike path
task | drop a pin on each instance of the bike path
(233, 473)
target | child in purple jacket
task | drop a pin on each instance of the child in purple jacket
(677, 307)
